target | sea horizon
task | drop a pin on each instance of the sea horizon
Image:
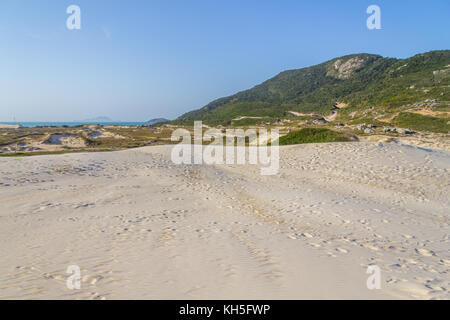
(34, 124)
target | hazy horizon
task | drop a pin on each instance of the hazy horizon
(148, 60)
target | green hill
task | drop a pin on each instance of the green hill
(370, 86)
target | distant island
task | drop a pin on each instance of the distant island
(156, 120)
(97, 119)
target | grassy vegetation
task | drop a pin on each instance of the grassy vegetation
(17, 154)
(422, 123)
(4, 140)
(250, 122)
(23, 140)
(444, 108)
(313, 135)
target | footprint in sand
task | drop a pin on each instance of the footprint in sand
(425, 252)
(445, 261)
(371, 247)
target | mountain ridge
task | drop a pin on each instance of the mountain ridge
(358, 80)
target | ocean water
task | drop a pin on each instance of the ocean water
(72, 124)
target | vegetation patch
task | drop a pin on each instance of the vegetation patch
(313, 135)
(249, 122)
(17, 154)
(421, 123)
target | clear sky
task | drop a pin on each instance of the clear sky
(140, 59)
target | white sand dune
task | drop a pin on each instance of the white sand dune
(104, 134)
(68, 140)
(141, 227)
(9, 126)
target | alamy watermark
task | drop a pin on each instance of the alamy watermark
(230, 146)
(73, 282)
(374, 20)
(73, 22)
(374, 280)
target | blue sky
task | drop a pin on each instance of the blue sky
(139, 59)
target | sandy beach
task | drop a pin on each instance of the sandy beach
(141, 227)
